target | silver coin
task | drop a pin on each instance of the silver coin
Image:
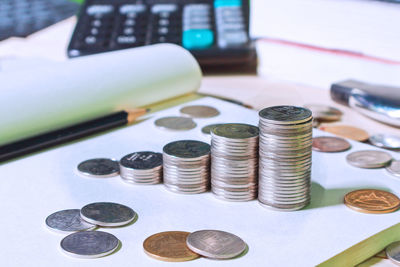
(285, 114)
(207, 129)
(99, 168)
(394, 168)
(66, 221)
(142, 160)
(199, 111)
(393, 252)
(187, 149)
(369, 159)
(235, 131)
(176, 123)
(215, 244)
(92, 244)
(324, 112)
(385, 141)
(107, 214)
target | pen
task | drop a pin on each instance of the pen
(70, 133)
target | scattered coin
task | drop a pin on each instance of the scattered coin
(91, 244)
(372, 201)
(345, 131)
(144, 167)
(324, 112)
(216, 244)
(68, 221)
(199, 111)
(207, 129)
(99, 168)
(369, 159)
(169, 246)
(330, 144)
(394, 168)
(385, 141)
(107, 214)
(316, 123)
(176, 123)
(393, 252)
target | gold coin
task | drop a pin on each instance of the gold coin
(169, 246)
(345, 131)
(372, 201)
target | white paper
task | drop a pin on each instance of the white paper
(34, 187)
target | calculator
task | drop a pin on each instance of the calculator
(216, 32)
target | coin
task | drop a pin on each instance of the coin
(176, 123)
(285, 114)
(199, 111)
(393, 252)
(394, 168)
(216, 244)
(68, 221)
(187, 149)
(236, 131)
(345, 131)
(100, 168)
(385, 141)
(107, 214)
(330, 144)
(91, 244)
(324, 112)
(144, 167)
(207, 129)
(372, 201)
(369, 159)
(169, 246)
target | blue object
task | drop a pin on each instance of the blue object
(227, 3)
(197, 39)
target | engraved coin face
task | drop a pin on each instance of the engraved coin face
(288, 114)
(175, 123)
(169, 246)
(393, 252)
(187, 149)
(324, 112)
(385, 141)
(372, 201)
(199, 111)
(107, 214)
(369, 159)
(92, 244)
(394, 168)
(142, 160)
(345, 131)
(216, 244)
(236, 131)
(99, 168)
(330, 144)
(207, 129)
(68, 221)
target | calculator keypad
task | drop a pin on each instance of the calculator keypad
(197, 26)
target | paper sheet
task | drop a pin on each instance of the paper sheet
(34, 187)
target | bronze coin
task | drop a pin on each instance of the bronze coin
(345, 131)
(372, 201)
(324, 112)
(169, 246)
(330, 144)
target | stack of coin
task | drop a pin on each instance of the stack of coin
(143, 167)
(285, 157)
(234, 161)
(187, 166)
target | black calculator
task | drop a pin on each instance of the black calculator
(216, 32)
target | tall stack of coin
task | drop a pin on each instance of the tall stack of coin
(234, 161)
(144, 167)
(187, 166)
(285, 157)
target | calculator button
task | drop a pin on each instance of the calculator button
(99, 10)
(126, 39)
(228, 39)
(224, 3)
(197, 39)
(90, 40)
(164, 8)
(132, 9)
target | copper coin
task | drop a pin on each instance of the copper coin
(330, 144)
(372, 201)
(169, 246)
(324, 112)
(345, 131)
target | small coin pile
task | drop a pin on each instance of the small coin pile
(177, 246)
(372, 201)
(285, 157)
(369, 159)
(99, 168)
(144, 167)
(330, 144)
(84, 243)
(186, 166)
(234, 161)
(324, 113)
